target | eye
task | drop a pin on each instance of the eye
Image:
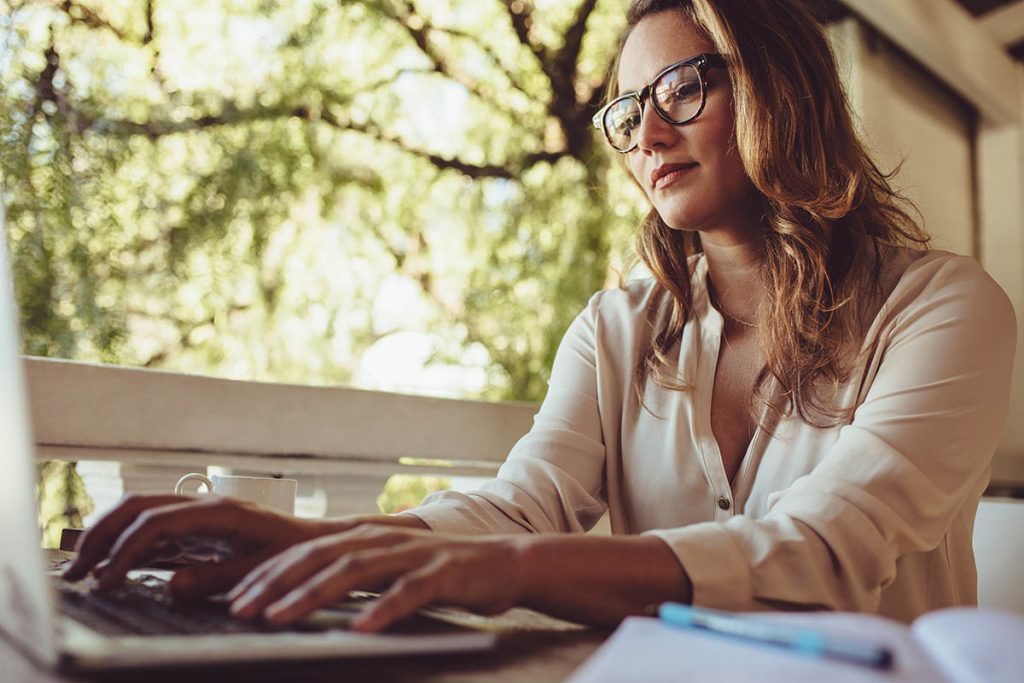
(682, 91)
(687, 90)
(624, 117)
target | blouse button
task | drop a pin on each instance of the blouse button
(723, 503)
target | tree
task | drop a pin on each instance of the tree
(228, 187)
(186, 181)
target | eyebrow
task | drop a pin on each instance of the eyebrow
(656, 74)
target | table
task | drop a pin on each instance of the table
(523, 656)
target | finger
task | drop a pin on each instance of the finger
(412, 592)
(280, 575)
(331, 546)
(261, 572)
(213, 578)
(95, 543)
(251, 577)
(362, 569)
(155, 526)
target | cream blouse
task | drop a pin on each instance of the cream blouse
(875, 515)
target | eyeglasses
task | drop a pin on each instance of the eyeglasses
(678, 94)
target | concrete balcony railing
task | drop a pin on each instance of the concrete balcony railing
(135, 430)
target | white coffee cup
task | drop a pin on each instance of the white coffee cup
(277, 494)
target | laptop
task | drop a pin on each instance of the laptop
(68, 626)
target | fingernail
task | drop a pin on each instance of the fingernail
(101, 568)
(238, 591)
(280, 606)
(242, 607)
(365, 623)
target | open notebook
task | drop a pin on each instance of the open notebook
(957, 645)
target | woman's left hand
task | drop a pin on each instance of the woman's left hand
(415, 567)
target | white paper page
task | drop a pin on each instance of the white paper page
(644, 650)
(974, 646)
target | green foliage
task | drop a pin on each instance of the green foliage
(63, 501)
(404, 492)
(233, 187)
(226, 187)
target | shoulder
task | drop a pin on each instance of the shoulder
(938, 289)
(632, 306)
(614, 324)
(940, 277)
(642, 299)
(633, 295)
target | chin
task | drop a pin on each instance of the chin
(686, 220)
(689, 208)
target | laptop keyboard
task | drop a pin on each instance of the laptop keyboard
(145, 606)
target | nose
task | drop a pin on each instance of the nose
(654, 132)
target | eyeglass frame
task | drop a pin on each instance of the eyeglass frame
(702, 62)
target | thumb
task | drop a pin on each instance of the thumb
(211, 578)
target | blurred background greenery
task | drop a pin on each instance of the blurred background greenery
(403, 195)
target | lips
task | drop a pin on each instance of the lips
(667, 173)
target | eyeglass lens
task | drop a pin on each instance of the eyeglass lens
(677, 95)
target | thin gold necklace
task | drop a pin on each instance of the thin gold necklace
(727, 314)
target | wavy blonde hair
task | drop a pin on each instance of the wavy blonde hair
(827, 207)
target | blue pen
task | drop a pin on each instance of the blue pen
(802, 640)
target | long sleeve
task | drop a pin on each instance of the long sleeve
(552, 479)
(893, 498)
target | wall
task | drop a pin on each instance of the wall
(963, 172)
(911, 121)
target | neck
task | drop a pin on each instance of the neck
(734, 271)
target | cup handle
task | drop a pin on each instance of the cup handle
(201, 478)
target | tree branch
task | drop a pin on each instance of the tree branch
(475, 171)
(82, 122)
(564, 105)
(148, 37)
(560, 67)
(489, 52)
(564, 61)
(232, 115)
(419, 29)
(80, 14)
(156, 129)
(521, 14)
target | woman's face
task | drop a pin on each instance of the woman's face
(708, 190)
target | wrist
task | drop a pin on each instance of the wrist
(596, 579)
(526, 557)
(324, 527)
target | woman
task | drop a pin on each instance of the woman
(795, 413)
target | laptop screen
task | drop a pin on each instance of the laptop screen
(25, 612)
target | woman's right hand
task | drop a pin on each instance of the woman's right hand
(140, 527)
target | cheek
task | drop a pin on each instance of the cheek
(717, 136)
(720, 141)
(635, 163)
(734, 175)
